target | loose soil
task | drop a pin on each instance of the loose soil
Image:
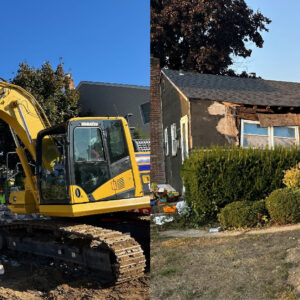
(39, 280)
(242, 265)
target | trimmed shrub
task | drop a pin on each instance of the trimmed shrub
(243, 214)
(292, 177)
(218, 176)
(284, 206)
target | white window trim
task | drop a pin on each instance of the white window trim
(166, 141)
(270, 133)
(174, 145)
(184, 120)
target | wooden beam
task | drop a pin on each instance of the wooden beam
(248, 116)
(230, 104)
(254, 109)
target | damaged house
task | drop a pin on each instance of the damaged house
(200, 110)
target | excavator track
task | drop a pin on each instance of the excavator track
(115, 256)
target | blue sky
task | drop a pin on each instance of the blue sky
(107, 41)
(279, 59)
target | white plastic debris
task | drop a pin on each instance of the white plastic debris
(182, 207)
(160, 220)
(215, 229)
(1, 270)
(165, 187)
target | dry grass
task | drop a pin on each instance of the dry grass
(247, 267)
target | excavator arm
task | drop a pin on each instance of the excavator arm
(26, 119)
(23, 114)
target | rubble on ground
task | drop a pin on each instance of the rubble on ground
(163, 193)
(160, 220)
(166, 204)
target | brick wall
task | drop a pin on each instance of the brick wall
(156, 134)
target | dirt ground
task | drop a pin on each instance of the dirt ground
(252, 266)
(37, 280)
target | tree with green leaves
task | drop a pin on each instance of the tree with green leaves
(51, 88)
(204, 35)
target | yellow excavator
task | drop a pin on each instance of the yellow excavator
(84, 167)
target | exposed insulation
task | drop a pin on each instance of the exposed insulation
(227, 124)
(216, 109)
(268, 120)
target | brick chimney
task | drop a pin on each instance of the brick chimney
(71, 82)
(156, 131)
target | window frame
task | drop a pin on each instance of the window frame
(112, 159)
(184, 135)
(270, 135)
(142, 114)
(166, 141)
(174, 145)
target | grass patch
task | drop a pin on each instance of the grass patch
(168, 272)
(243, 267)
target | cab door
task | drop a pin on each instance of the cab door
(120, 164)
(90, 160)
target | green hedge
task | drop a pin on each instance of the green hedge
(284, 206)
(220, 175)
(242, 214)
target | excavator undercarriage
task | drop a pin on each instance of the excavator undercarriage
(115, 256)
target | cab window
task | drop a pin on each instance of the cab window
(91, 169)
(116, 140)
(88, 145)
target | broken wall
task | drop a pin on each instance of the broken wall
(213, 123)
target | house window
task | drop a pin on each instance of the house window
(285, 136)
(253, 135)
(166, 141)
(174, 139)
(145, 111)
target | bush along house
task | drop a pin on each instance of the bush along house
(201, 110)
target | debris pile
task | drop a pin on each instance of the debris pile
(163, 194)
(165, 204)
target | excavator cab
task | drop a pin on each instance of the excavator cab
(87, 166)
(87, 161)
